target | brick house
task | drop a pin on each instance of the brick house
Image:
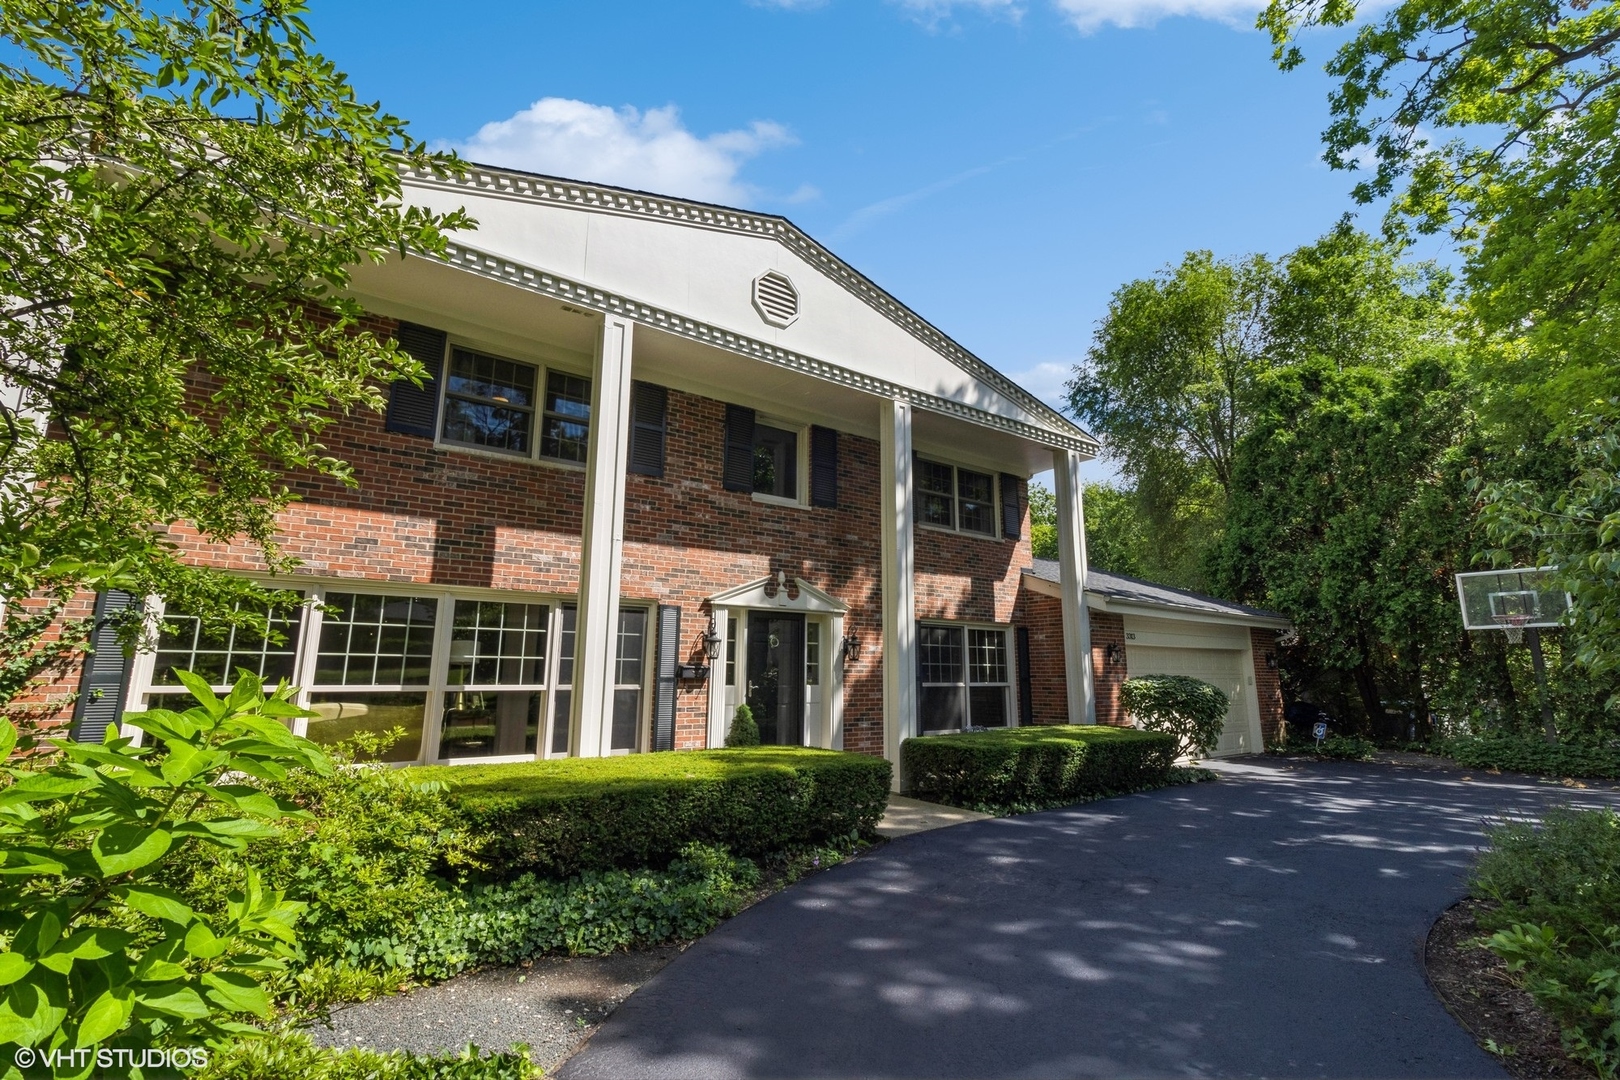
(671, 457)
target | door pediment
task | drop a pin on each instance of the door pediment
(781, 594)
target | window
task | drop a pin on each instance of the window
(964, 677)
(776, 462)
(493, 404)
(440, 676)
(949, 497)
(731, 651)
(812, 654)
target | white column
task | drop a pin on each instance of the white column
(1071, 529)
(899, 602)
(832, 667)
(602, 543)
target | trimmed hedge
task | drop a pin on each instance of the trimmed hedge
(1532, 755)
(1016, 770)
(557, 818)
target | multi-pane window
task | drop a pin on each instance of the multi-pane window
(218, 654)
(964, 676)
(497, 404)
(731, 651)
(776, 462)
(949, 497)
(437, 676)
(812, 654)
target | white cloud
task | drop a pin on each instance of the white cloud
(650, 150)
(932, 12)
(1046, 381)
(1091, 15)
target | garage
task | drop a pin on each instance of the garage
(1163, 647)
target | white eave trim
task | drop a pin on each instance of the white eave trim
(1100, 602)
(524, 187)
(504, 270)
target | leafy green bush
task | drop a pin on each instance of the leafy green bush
(98, 953)
(1016, 770)
(1556, 921)
(366, 858)
(744, 732)
(557, 818)
(594, 912)
(1532, 755)
(1192, 710)
(1332, 748)
(292, 1055)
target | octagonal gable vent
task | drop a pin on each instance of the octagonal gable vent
(775, 298)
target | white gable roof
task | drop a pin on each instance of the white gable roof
(672, 261)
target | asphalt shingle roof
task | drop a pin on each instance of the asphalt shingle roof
(1137, 591)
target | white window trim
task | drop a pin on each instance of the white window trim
(543, 367)
(801, 463)
(956, 500)
(315, 590)
(1010, 638)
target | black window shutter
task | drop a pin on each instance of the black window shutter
(1026, 703)
(823, 467)
(739, 472)
(649, 407)
(414, 410)
(106, 671)
(1012, 514)
(669, 656)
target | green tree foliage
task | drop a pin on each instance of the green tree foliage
(1191, 710)
(99, 954)
(183, 195)
(1116, 535)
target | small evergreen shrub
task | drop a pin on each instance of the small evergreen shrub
(1191, 710)
(744, 731)
(1514, 753)
(558, 818)
(1016, 770)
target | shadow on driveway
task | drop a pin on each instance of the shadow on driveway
(1270, 924)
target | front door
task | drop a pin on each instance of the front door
(776, 677)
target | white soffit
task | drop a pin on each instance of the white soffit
(700, 264)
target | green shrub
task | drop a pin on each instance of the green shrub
(1532, 755)
(1192, 710)
(1556, 921)
(292, 1055)
(744, 732)
(557, 818)
(366, 858)
(97, 951)
(1016, 770)
(1332, 748)
(594, 912)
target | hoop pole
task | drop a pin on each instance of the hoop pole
(1540, 664)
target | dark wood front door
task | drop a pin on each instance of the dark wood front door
(776, 677)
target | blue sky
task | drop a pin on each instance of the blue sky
(999, 165)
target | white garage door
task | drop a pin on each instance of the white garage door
(1222, 667)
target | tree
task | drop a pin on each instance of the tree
(1115, 537)
(183, 194)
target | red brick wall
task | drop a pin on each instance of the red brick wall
(1043, 616)
(968, 577)
(1267, 687)
(46, 705)
(1108, 629)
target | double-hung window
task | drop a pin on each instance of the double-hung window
(516, 408)
(776, 461)
(965, 678)
(951, 497)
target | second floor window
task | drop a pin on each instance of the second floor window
(949, 497)
(776, 462)
(496, 404)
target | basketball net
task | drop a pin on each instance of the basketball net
(1513, 625)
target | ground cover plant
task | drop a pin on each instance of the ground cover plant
(1536, 756)
(557, 818)
(1017, 770)
(1554, 916)
(1191, 710)
(293, 1054)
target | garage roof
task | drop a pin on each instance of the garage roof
(1135, 591)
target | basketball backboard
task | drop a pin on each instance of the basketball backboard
(1508, 599)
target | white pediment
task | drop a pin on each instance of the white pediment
(781, 594)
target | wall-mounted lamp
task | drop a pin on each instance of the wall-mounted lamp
(1271, 661)
(849, 649)
(711, 640)
(1113, 654)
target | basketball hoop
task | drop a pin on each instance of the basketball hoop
(1513, 625)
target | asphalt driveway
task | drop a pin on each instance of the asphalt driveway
(1271, 924)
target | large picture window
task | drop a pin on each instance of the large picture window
(951, 497)
(496, 404)
(965, 678)
(436, 676)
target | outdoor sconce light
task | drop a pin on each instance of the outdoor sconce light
(1271, 661)
(711, 641)
(849, 649)
(1112, 655)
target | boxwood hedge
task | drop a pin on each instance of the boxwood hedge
(1015, 770)
(557, 818)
